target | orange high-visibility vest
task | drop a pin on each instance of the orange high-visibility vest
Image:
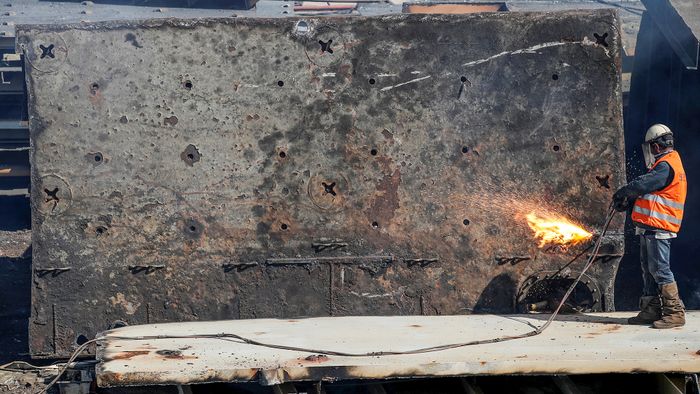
(663, 209)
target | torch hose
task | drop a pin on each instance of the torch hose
(240, 339)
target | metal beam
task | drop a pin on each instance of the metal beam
(679, 22)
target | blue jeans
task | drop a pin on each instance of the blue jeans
(655, 256)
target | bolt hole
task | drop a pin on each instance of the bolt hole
(94, 86)
(190, 155)
(284, 226)
(555, 76)
(372, 81)
(463, 79)
(192, 228)
(81, 339)
(556, 148)
(188, 84)
(100, 230)
(466, 222)
(280, 83)
(302, 27)
(375, 225)
(465, 149)
(282, 154)
(373, 152)
(98, 157)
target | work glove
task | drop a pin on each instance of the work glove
(621, 205)
(620, 200)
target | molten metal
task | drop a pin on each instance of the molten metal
(556, 230)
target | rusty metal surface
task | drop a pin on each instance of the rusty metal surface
(582, 344)
(237, 168)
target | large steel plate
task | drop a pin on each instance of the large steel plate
(240, 168)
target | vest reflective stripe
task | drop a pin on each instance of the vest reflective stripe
(663, 209)
(657, 215)
(664, 201)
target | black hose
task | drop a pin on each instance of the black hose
(537, 331)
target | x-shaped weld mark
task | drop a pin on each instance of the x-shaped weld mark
(47, 51)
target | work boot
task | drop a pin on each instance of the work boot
(650, 311)
(673, 310)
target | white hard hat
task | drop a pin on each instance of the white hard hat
(653, 134)
(656, 131)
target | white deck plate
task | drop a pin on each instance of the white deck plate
(581, 344)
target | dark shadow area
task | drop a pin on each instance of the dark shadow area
(498, 296)
(584, 384)
(15, 213)
(545, 295)
(221, 4)
(579, 317)
(15, 304)
(663, 91)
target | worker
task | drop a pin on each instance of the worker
(657, 200)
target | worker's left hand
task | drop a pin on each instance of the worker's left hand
(621, 205)
(620, 200)
(620, 195)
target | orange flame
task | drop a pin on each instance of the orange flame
(556, 230)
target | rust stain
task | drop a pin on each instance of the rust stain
(613, 328)
(388, 135)
(345, 70)
(386, 200)
(95, 96)
(317, 358)
(415, 325)
(110, 378)
(174, 355)
(697, 353)
(128, 354)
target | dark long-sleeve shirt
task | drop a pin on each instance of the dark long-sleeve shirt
(656, 179)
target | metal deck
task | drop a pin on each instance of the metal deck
(580, 344)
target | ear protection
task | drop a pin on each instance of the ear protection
(663, 142)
